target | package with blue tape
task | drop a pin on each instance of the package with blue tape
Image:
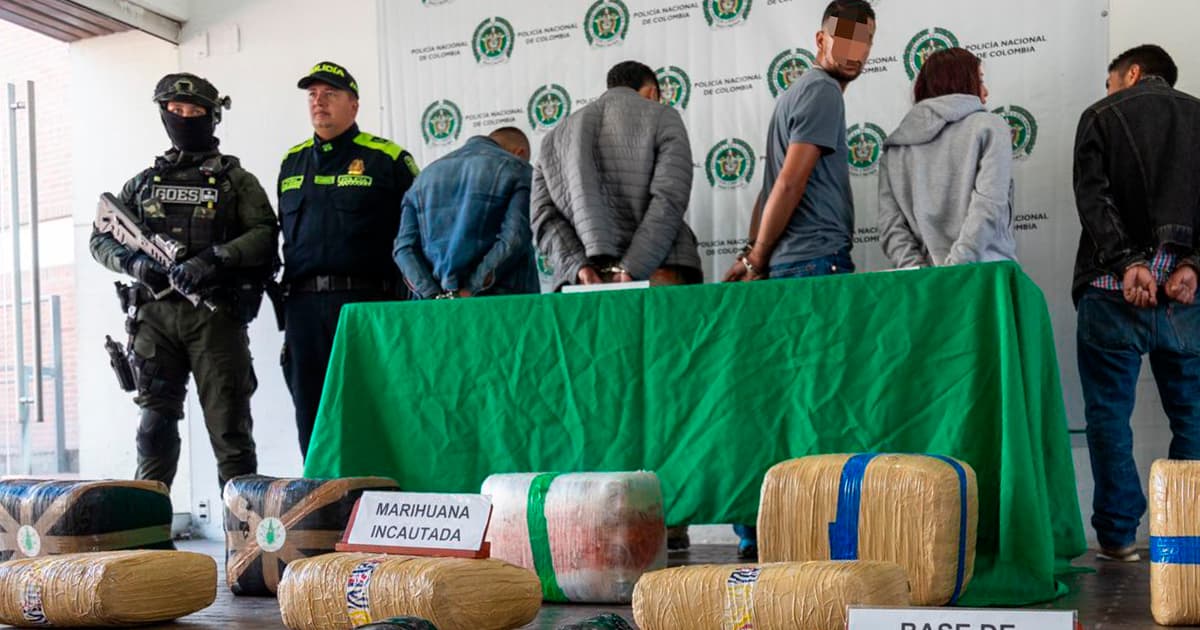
(919, 511)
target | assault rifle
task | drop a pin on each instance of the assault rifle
(112, 218)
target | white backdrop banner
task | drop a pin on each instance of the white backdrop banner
(457, 68)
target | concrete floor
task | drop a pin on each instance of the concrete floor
(1114, 596)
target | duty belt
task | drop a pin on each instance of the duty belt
(322, 284)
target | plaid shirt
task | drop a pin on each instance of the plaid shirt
(1161, 266)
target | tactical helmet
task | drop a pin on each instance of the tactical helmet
(189, 88)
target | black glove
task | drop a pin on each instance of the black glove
(145, 269)
(190, 275)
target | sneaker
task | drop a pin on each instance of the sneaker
(747, 542)
(1124, 554)
(677, 538)
(748, 550)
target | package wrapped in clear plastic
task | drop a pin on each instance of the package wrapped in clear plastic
(588, 536)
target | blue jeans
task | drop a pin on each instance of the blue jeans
(1112, 337)
(823, 266)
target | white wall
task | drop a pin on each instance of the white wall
(1167, 23)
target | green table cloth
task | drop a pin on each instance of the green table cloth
(711, 385)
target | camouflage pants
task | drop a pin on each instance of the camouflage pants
(174, 338)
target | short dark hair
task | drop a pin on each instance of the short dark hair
(949, 71)
(858, 10)
(632, 74)
(1152, 59)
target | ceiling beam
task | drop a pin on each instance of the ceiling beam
(38, 22)
(135, 16)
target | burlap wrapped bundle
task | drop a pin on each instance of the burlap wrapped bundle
(46, 518)
(345, 590)
(270, 522)
(1175, 542)
(106, 589)
(588, 536)
(918, 511)
(785, 596)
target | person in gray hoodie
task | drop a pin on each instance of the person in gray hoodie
(945, 178)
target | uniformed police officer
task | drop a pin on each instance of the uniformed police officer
(339, 205)
(208, 203)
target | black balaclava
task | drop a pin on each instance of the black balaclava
(190, 135)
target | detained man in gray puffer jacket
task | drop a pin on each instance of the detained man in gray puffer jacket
(611, 187)
(945, 179)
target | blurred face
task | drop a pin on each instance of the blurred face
(1119, 80)
(186, 110)
(983, 91)
(331, 110)
(843, 47)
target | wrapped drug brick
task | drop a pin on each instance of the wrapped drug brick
(1175, 542)
(270, 522)
(346, 590)
(45, 518)
(607, 621)
(783, 596)
(106, 589)
(588, 536)
(919, 511)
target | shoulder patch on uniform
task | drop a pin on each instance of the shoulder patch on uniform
(411, 164)
(298, 148)
(392, 149)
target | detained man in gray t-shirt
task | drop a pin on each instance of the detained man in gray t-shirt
(803, 222)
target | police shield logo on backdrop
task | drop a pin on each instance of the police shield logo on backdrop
(730, 164)
(866, 147)
(788, 66)
(924, 44)
(493, 41)
(726, 12)
(1024, 129)
(441, 123)
(606, 23)
(548, 106)
(674, 87)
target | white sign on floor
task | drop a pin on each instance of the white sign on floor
(959, 619)
(415, 520)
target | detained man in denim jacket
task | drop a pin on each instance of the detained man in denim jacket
(1138, 196)
(464, 227)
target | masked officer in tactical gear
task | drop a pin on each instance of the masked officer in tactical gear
(339, 205)
(220, 213)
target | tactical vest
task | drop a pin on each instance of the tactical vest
(193, 205)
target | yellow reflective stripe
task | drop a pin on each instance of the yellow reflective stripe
(392, 149)
(298, 148)
(354, 180)
(291, 183)
(324, 180)
(412, 165)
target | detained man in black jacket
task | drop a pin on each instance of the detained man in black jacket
(1137, 189)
